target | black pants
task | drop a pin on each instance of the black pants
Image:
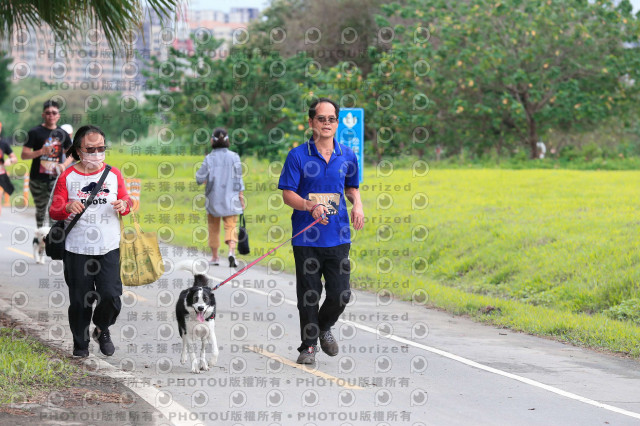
(312, 263)
(90, 279)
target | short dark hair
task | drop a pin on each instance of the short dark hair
(219, 138)
(314, 104)
(77, 139)
(49, 104)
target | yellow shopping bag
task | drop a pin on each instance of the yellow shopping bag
(140, 258)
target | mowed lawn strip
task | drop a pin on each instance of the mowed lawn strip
(548, 252)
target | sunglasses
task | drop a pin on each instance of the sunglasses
(322, 119)
(94, 149)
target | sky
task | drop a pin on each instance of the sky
(635, 4)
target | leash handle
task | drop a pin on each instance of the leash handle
(267, 254)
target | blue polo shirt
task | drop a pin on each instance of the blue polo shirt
(306, 173)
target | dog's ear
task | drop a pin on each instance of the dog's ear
(191, 294)
(200, 280)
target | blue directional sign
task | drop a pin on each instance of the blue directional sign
(351, 133)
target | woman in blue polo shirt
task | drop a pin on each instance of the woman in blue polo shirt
(316, 178)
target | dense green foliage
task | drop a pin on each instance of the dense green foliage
(256, 97)
(22, 110)
(477, 77)
(5, 75)
(510, 71)
(481, 79)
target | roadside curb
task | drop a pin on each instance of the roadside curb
(148, 393)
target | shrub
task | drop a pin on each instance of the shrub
(627, 310)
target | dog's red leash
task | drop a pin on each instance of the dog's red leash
(266, 254)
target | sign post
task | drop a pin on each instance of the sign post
(351, 133)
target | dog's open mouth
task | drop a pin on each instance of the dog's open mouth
(201, 316)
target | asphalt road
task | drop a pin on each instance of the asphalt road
(399, 362)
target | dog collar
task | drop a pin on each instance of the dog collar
(213, 314)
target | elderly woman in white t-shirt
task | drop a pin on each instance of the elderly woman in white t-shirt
(92, 247)
(221, 170)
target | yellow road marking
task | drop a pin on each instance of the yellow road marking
(326, 376)
(137, 296)
(24, 253)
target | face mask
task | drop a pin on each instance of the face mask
(92, 161)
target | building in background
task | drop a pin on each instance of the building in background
(243, 14)
(90, 64)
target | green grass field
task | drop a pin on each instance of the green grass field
(548, 252)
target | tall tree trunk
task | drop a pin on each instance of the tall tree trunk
(522, 96)
(372, 135)
(532, 133)
(533, 138)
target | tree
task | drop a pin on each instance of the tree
(328, 31)
(22, 110)
(513, 69)
(114, 18)
(5, 76)
(258, 96)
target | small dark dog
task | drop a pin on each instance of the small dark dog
(196, 313)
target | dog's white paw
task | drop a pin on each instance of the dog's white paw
(203, 365)
(213, 360)
(183, 358)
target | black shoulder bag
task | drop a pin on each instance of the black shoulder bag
(54, 241)
(243, 237)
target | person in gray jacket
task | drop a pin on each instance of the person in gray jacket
(221, 170)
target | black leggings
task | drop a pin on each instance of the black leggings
(92, 278)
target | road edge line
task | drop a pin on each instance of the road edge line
(479, 366)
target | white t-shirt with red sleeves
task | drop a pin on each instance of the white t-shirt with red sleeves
(97, 232)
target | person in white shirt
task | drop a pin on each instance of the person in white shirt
(92, 247)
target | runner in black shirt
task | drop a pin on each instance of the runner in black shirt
(46, 145)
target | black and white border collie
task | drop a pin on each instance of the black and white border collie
(196, 313)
